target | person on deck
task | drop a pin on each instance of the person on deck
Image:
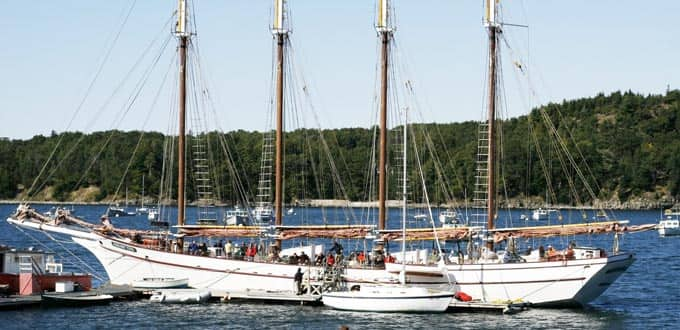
(227, 249)
(294, 259)
(551, 253)
(361, 257)
(106, 223)
(204, 249)
(330, 260)
(319, 259)
(193, 248)
(336, 248)
(303, 259)
(298, 281)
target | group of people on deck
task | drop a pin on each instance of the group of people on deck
(554, 255)
(258, 252)
(247, 252)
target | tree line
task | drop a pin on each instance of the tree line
(625, 144)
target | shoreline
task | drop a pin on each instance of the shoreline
(391, 204)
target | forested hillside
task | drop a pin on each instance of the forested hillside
(628, 142)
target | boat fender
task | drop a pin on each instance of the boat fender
(462, 296)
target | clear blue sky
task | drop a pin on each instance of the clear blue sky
(51, 50)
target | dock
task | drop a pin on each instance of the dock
(481, 306)
(119, 292)
(268, 296)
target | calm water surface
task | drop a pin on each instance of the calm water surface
(646, 296)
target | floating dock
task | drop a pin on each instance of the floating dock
(119, 292)
(270, 296)
(480, 306)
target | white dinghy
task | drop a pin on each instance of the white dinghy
(161, 283)
(181, 296)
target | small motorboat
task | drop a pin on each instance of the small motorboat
(161, 283)
(389, 298)
(75, 300)
(669, 227)
(181, 296)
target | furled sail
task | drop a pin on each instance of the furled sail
(458, 233)
(221, 231)
(325, 231)
(569, 230)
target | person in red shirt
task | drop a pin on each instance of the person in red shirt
(361, 257)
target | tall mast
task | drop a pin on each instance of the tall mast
(402, 275)
(385, 34)
(493, 28)
(183, 36)
(281, 35)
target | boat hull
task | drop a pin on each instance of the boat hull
(161, 283)
(549, 284)
(75, 300)
(126, 264)
(395, 299)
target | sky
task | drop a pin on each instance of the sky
(52, 51)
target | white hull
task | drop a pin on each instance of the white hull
(573, 282)
(161, 283)
(669, 227)
(554, 283)
(389, 299)
(181, 296)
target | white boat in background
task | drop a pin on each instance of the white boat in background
(161, 283)
(450, 219)
(117, 211)
(389, 298)
(237, 217)
(671, 212)
(142, 209)
(542, 214)
(669, 226)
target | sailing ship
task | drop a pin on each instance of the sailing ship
(129, 256)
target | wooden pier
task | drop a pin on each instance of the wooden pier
(480, 306)
(119, 292)
(269, 296)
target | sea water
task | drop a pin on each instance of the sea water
(646, 296)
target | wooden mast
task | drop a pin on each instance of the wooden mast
(493, 28)
(385, 33)
(280, 34)
(183, 35)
